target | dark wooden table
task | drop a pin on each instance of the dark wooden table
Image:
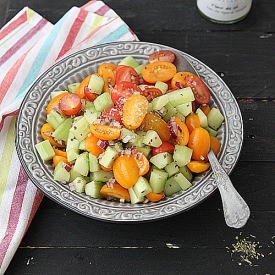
(60, 241)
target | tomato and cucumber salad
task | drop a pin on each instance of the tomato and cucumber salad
(131, 132)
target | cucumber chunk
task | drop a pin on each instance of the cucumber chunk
(170, 111)
(92, 189)
(129, 61)
(152, 138)
(108, 157)
(93, 163)
(55, 119)
(56, 93)
(202, 118)
(161, 160)
(186, 172)
(183, 182)
(134, 198)
(74, 174)
(185, 108)
(79, 184)
(45, 150)
(62, 131)
(171, 187)
(159, 102)
(162, 86)
(103, 102)
(181, 96)
(82, 164)
(73, 87)
(60, 173)
(215, 118)
(96, 84)
(182, 155)
(157, 180)
(102, 175)
(172, 168)
(80, 128)
(142, 187)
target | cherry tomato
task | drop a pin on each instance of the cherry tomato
(178, 81)
(155, 197)
(106, 71)
(215, 144)
(162, 55)
(105, 132)
(192, 121)
(126, 73)
(153, 122)
(164, 147)
(81, 88)
(126, 171)
(70, 104)
(205, 108)
(151, 92)
(198, 166)
(200, 90)
(112, 113)
(158, 71)
(182, 132)
(134, 111)
(53, 104)
(122, 91)
(91, 145)
(142, 162)
(89, 94)
(115, 191)
(199, 141)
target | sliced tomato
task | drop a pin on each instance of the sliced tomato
(158, 71)
(122, 91)
(126, 73)
(164, 147)
(84, 83)
(89, 94)
(151, 92)
(162, 55)
(199, 88)
(112, 113)
(105, 132)
(70, 104)
(178, 81)
(107, 72)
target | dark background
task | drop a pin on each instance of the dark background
(243, 54)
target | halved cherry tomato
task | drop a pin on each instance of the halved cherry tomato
(215, 144)
(155, 197)
(205, 108)
(198, 166)
(178, 81)
(46, 134)
(151, 92)
(162, 55)
(70, 104)
(112, 113)
(199, 88)
(57, 159)
(158, 71)
(199, 141)
(153, 122)
(122, 91)
(126, 73)
(134, 111)
(89, 94)
(105, 132)
(182, 132)
(106, 71)
(59, 152)
(54, 102)
(105, 168)
(91, 145)
(115, 191)
(81, 88)
(192, 121)
(126, 171)
(164, 147)
(142, 162)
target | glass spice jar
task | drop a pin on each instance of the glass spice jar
(224, 11)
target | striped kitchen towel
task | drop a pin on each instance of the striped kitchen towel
(29, 44)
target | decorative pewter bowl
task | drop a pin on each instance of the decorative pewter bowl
(74, 68)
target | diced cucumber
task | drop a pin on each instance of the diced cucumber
(172, 168)
(72, 142)
(91, 117)
(160, 102)
(93, 163)
(171, 187)
(170, 111)
(90, 107)
(142, 187)
(145, 150)
(73, 87)
(72, 154)
(157, 180)
(45, 150)
(138, 69)
(108, 157)
(202, 118)
(182, 155)
(185, 108)
(82, 164)
(181, 96)
(211, 131)
(79, 184)
(82, 146)
(161, 160)
(150, 107)
(152, 139)
(56, 93)
(55, 119)
(96, 84)
(215, 118)
(74, 174)
(102, 175)
(80, 129)
(60, 173)
(186, 172)
(62, 131)
(126, 135)
(103, 102)
(134, 198)
(180, 116)
(129, 61)
(183, 182)
(92, 189)
(162, 86)
(118, 146)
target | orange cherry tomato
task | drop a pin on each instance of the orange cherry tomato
(142, 162)
(105, 132)
(46, 133)
(91, 145)
(205, 108)
(151, 92)
(215, 144)
(57, 159)
(158, 71)
(81, 88)
(199, 141)
(115, 191)
(162, 55)
(192, 121)
(70, 104)
(59, 152)
(178, 81)
(126, 171)
(152, 121)
(198, 166)
(54, 103)
(106, 71)
(155, 197)
(182, 131)
(105, 168)
(134, 111)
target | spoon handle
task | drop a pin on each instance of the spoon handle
(236, 211)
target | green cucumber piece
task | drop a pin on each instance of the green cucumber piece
(72, 154)
(60, 173)
(82, 145)
(45, 150)
(90, 107)
(161, 160)
(211, 131)
(72, 142)
(103, 102)
(152, 138)
(129, 61)
(73, 87)
(182, 155)
(92, 189)
(91, 117)
(183, 182)
(186, 172)
(82, 164)
(55, 119)
(171, 187)
(158, 179)
(138, 69)
(96, 84)
(170, 111)
(181, 96)
(134, 198)
(102, 175)
(56, 93)
(93, 163)
(185, 108)
(202, 118)
(142, 187)
(172, 168)
(74, 174)
(108, 157)
(162, 86)
(79, 184)
(215, 118)
(159, 102)
(62, 131)
(145, 150)
(80, 128)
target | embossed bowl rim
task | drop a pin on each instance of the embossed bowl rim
(73, 68)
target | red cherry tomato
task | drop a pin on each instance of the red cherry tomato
(162, 55)
(126, 73)
(122, 91)
(151, 92)
(89, 94)
(164, 147)
(200, 90)
(70, 104)
(112, 113)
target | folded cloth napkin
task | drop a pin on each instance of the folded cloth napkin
(29, 44)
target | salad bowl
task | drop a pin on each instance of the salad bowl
(74, 68)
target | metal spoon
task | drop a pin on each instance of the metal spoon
(236, 211)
